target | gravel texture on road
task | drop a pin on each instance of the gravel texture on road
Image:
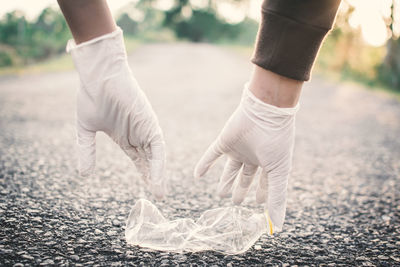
(344, 192)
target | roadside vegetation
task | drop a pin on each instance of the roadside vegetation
(39, 45)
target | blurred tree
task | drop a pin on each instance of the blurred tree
(50, 32)
(127, 24)
(204, 24)
(389, 71)
(12, 30)
(344, 51)
(140, 17)
(152, 18)
(13, 37)
(23, 41)
(8, 56)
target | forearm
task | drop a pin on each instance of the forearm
(288, 40)
(87, 19)
(290, 35)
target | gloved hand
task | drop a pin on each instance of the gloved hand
(110, 100)
(256, 135)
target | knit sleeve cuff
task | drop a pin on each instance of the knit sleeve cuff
(286, 46)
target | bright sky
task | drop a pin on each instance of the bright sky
(369, 15)
(33, 8)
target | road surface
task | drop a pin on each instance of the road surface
(344, 192)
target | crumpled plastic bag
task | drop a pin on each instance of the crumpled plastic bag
(229, 230)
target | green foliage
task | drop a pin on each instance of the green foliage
(389, 70)
(345, 52)
(204, 25)
(5, 59)
(128, 25)
(24, 42)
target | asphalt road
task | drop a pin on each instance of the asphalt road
(344, 193)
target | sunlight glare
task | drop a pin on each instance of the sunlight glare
(369, 16)
(231, 12)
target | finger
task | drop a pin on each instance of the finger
(262, 188)
(139, 159)
(131, 152)
(231, 170)
(86, 150)
(142, 164)
(277, 192)
(242, 187)
(157, 169)
(207, 160)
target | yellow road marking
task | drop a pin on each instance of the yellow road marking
(271, 228)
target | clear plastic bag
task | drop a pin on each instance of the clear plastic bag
(230, 230)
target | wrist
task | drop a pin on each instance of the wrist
(262, 110)
(275, 89)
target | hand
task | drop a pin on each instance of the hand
(256, 135)
(110, 100)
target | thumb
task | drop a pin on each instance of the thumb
(207, 160)
(86, 150)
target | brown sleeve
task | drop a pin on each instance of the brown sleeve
(290, 34)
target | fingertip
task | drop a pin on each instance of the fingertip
(238, 195)
(86, 172)
(207, 160)
(87, 162)
(157, 177)
(242, 187)
(159, 187)
(199, 171)
(86, 150)
(237, 201)
(158, 191)
(224, 193)
(224, 190)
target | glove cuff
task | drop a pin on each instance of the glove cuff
(266, 115)
(98, 58)
(71, 45)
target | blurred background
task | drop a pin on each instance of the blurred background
(364, 45)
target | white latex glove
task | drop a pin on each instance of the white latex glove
(110, 100)
(256, 135)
